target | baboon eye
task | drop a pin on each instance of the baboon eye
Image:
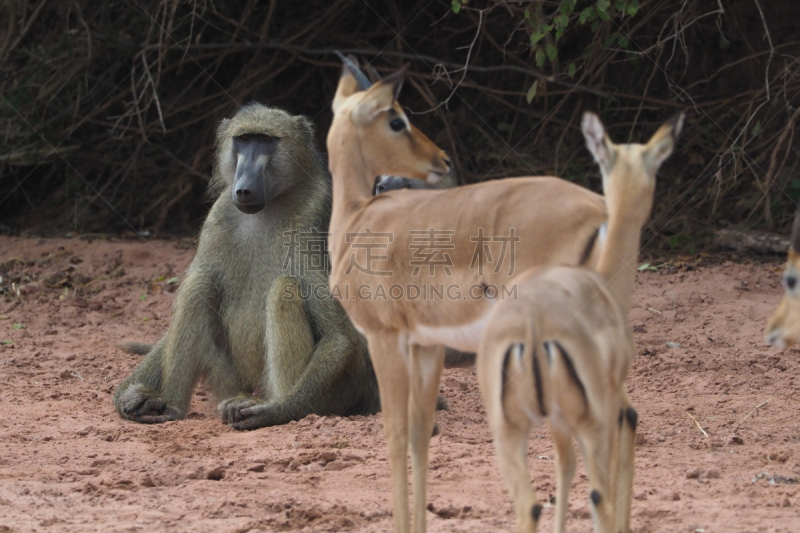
(397, 124)
(267, 139)
(244, 137)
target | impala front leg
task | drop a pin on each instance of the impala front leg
(391, 369)
(625, 468)
(426, 369)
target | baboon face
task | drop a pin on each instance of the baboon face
(251, 187)
(262, 153)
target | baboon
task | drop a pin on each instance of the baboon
(253, 314)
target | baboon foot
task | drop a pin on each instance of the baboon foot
(144, 405)
(245, 413)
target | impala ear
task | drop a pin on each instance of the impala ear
(351, 82)
(662, 142)
(597, 141)
(794, 240)
(379, 98)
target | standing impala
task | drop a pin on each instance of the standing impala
(561, 351)
(410, 267)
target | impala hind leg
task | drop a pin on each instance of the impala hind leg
(426, 369)
(391, 369)
(626, 466)
(511, 444)
(565, 470)
(597, 442)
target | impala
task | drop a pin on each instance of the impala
(562, 350)
(444, 246)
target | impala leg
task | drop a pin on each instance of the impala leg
(392, 373)
(565, 470)
(597, 443)
(626, 466)
(511, 444)
(426, 370)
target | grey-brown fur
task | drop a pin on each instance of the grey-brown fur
(268, 355)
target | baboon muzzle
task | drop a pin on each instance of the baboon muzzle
(249, 190)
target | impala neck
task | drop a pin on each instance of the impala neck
(350, 174)
(618, 259)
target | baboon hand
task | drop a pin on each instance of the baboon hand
(230, 409)
(260, 415)
(144, 405)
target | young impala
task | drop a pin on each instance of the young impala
(561, 351)
(410, 266)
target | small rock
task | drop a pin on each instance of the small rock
(713, 473)
(737, 440)
(640, 439)
(786, 502)
(147, 481)
(336, 465)
(661, 438)
(215, 474)
(256, 468)
(693, 473)
(65, 374)
(640, 496)
(675, 497)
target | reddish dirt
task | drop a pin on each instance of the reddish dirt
(69, 463)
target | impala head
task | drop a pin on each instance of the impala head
(629, 170)
(368, 116)
(783, 328)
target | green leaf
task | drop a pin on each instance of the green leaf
(4, 317)
(756, 129)
(795, 183)
(633, 7)
(6, 342)
(455, 6)
(623, 41)
(18, 326)
(532, 92)
(541, 57)
(586, 15)
(142, 297)
(551, 51)
(571, 68)
(588, 52)
(610, 40)
(643, 267)
(619, 5)
(603, 5)
(527, 13)
(594, 25)
(603, 15)
(173, 281)
(536, 37)
(562, 21)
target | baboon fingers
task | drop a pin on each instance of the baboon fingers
(259, 416)
(230, 410)
(139, 400)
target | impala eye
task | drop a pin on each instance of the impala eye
(397, 124)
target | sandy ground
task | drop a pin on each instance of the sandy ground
(69, 463)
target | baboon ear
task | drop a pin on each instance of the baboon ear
(795, 238)
(381, 97)
(662, 142)
(597, 141)
(307, 128)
